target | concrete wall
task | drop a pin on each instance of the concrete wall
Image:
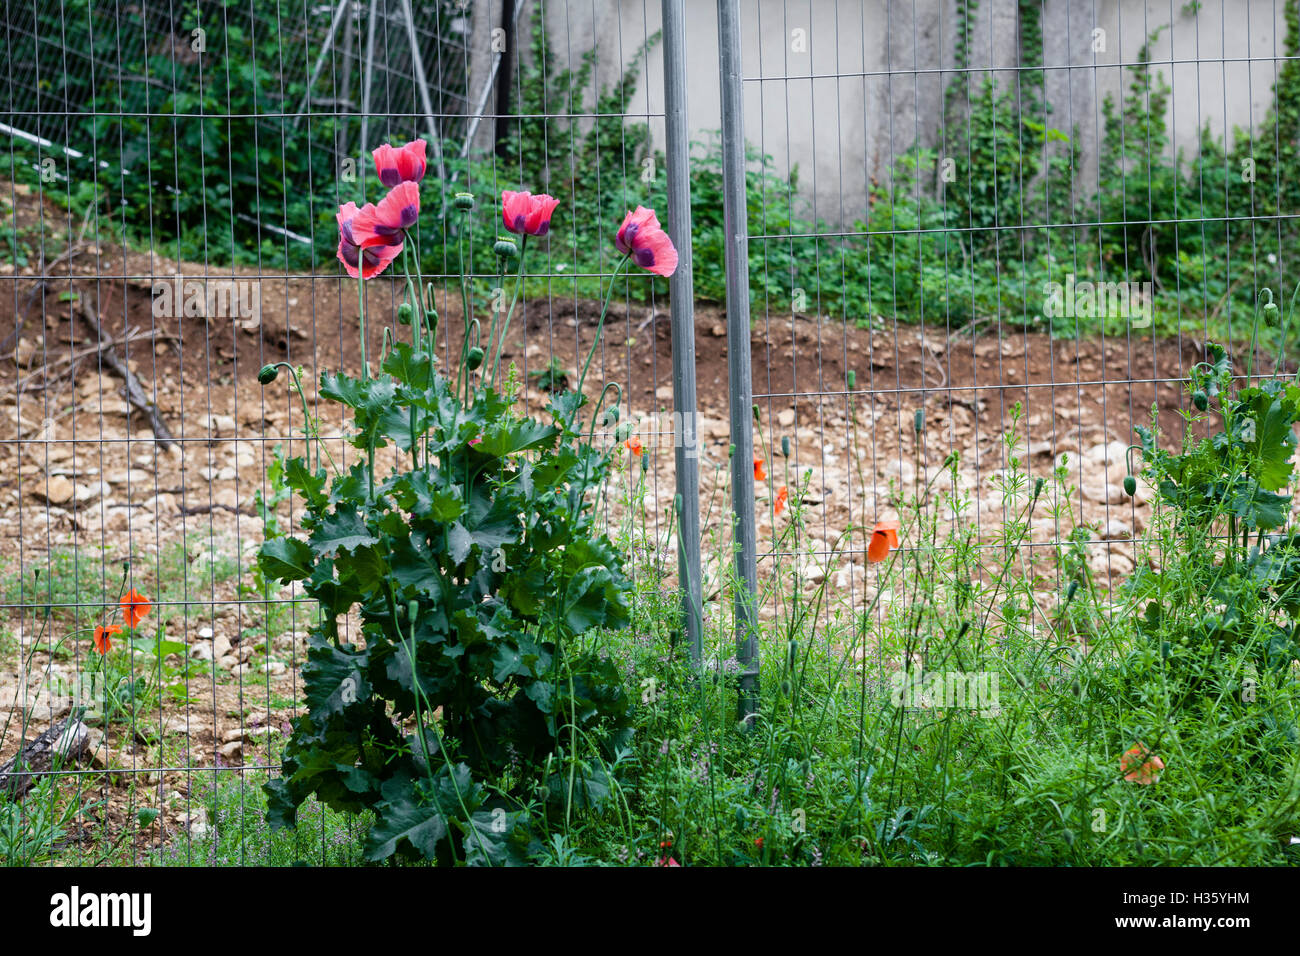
(838, 89)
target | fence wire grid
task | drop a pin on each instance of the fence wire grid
(918, 225)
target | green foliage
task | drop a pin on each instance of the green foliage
(480, 579)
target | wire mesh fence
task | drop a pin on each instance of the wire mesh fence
(917, 227)
(173, 175)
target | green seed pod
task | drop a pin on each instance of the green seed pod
(1200, 400)
(475, 358)
(404, 313)
(506, 249)
(268, 374)
(785, 446)
(412, 610)
(853, 379)
(918, 420)
(463, 201)
(645, 466)
(1130, 485)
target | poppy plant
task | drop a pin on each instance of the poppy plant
(1139, 765)
(634, 446)
(883, 538)
(642, 238)
(134, 607)
(102, 635)
(782, 496)
(526, 214)
(385, 224)
(361, 263)
(405, 164)
(759, 473)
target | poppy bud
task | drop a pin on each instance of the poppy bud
(268, 374)
(404, 313)
(731, 452)
(1038, 487)
(622, 432)
(1199, 400)
(853, 379)
(475, 358)
(793, 654)
(1130, 485)
(645, 466)
(506, 249)
(756, 418)
(463, 201)
(1270, 310)
(1071, 591)
(611, 415)
(785, 446)
(918, 420)
(412, 610)
(431, 320)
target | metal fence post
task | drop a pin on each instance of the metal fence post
(682, 291)
(736, 229)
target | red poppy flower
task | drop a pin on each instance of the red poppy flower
(400, 165)
(385, 224)
(524, 213)
(1145, 765)
(134, 607)
(634, 446)
(782, 496)
(370, 261)
(883, 538)
(759, 843)
(645, 241)
(759, 473)
(102, 635)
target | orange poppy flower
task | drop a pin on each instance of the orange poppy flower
(782, 496)
(759, 473)
(134, 607)
(1145, 765)
(102, 635)
(634, 446)
(883, 538)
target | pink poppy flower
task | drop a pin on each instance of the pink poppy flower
(370, 261)
(525, 213)
(400, 165)
(385, 223)
(644, 239)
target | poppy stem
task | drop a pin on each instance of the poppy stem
(600, 326)
(505, 326)
(361, 307)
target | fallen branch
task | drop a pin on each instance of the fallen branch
(63, 743)
(134, 393)
(132, 335)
